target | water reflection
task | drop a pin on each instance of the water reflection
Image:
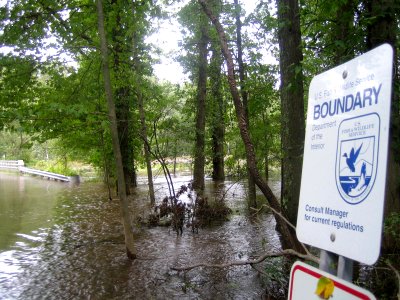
(73, 246)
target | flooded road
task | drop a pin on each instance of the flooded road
(65, 242)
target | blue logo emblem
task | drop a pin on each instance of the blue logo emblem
(356, 157)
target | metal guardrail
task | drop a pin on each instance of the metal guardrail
(11, 164)
(19, 165)
(44, 174)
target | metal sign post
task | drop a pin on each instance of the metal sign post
(333, 264)
(345, 268)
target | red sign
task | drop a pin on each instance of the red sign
(307, 282)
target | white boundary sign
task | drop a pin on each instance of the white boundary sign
(345, 157)
(304, 285)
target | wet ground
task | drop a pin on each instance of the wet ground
(65, 242)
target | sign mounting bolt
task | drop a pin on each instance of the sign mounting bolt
(333, 237)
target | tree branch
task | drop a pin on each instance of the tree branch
(260, 259)
(397, 275)
(277, 213)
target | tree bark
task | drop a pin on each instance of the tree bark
(251, 201)
(217, 111)
(199, 158)
(288, 238)
(292, 104)
(146, 144)
(382, 28)
(267, 147)
(129, 241)
(122, 99)
(341, 32)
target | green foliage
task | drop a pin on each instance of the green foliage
(391, 228)
(59, 167)
(276, 277)
(15, 145)
(167, 121)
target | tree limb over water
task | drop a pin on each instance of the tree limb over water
(258, 260)
(308, 256)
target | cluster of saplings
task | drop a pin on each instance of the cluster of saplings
(194, 212)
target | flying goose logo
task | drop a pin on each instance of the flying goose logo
(356, 157)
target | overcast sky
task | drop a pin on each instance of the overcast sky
(167, 38)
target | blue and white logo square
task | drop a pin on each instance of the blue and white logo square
(356, 157)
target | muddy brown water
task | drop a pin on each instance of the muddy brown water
(65, 242)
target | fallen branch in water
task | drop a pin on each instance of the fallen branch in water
(260, 259)
(308, 256)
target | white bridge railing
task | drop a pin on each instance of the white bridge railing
(46, 174)
(11, 164)
(19, 165)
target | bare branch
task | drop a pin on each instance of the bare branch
(286, 221)
(397, 275)
(260, 259)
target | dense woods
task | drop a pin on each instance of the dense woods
(78, 83)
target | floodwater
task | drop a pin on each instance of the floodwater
(59, 241)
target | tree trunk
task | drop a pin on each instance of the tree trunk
(292, 104)
(217, 111)
(382, 29)
(341, 31)
(199, 158)
(146, 144)
(251, 201)
(122, 101)
(143, 127)
(129, 241)
(266, 165)
(174, 172)
(288, 238)
(267, 146)
(123, 116)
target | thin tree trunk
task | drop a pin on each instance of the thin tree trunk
(266, 164)
(146, 150)
(122, 101)
(129, 241)
(142, 114)
(106, 165)
(289, 239)
(292, 104)
(251, 201)
(199, 158)
(218, 123)
(174, 172)
(266, 150)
